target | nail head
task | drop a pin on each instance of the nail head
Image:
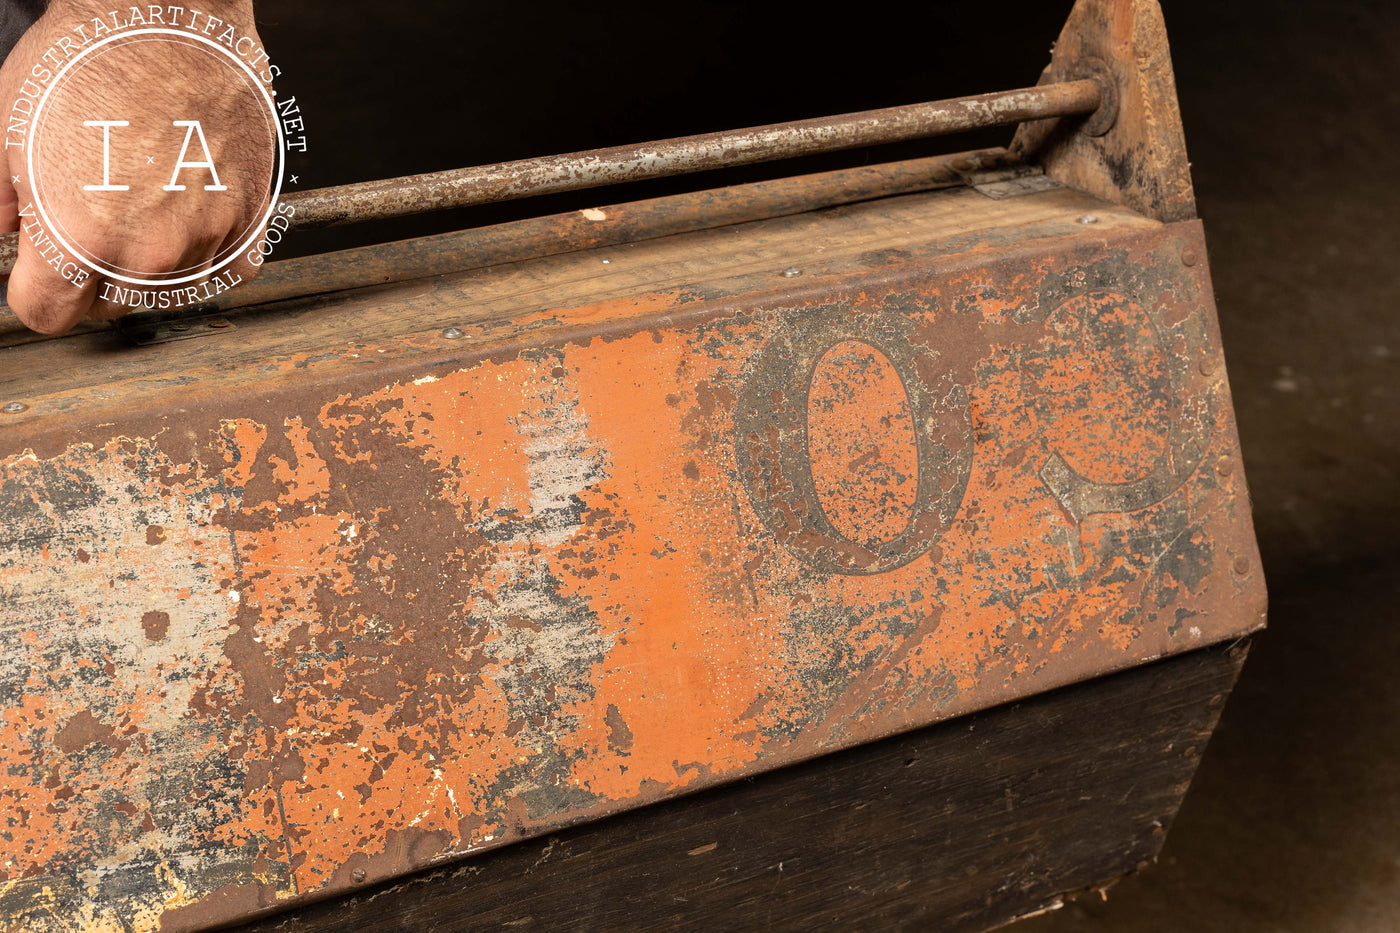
(791, 271)
(453, 333)
(14, 408)
(1088, 219)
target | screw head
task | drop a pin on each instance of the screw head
(791, 271)
(1189, 256)
(1087, 219)
(453, 333)
(14, 408)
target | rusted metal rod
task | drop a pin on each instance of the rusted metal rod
(571, 231)
(395, 197)
(606, 225)
(415, 194)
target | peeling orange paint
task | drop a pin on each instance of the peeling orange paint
(407, 619)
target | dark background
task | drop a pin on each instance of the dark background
(1291, 113)
(399, 88)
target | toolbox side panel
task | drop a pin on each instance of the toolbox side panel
(334, 630)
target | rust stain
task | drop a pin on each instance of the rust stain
(396, 623)
(155, 623)
(81, 731)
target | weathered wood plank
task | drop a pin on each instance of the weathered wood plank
(335, 334)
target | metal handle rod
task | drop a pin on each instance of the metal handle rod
(414, 194)
(602, 226)
(395, 197)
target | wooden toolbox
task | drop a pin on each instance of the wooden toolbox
(867, 550)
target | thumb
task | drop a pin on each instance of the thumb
(9, 192)
(40, 296)
(9, 204)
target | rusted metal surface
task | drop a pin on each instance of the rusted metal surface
(272, 643)
(959, 828)
(416, 194)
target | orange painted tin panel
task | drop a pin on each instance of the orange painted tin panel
(285, 641)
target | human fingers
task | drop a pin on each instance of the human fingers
(48, 292)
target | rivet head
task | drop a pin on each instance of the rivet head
(962, 165)
(358, 876)
(453, 333)
(1225, 467)
(1206, 366)
(14, 408)
(791, 271)
(1189, 256)
(1241, 566)
(1087, 219)
(219, 324)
